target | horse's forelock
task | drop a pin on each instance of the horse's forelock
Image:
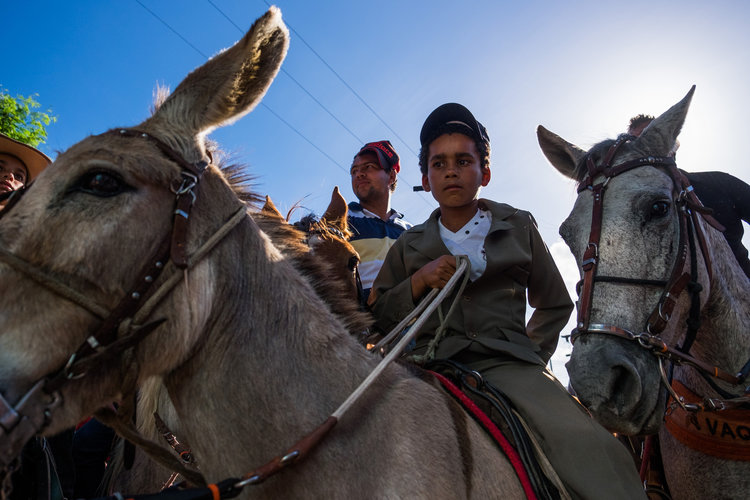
(596, 154)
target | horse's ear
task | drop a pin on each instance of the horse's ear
(337, 210)
(563, 155)
(229, 85)
(660, 136)
(270, 209)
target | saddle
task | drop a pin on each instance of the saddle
(496, 414)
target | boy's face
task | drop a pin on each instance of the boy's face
(454, 171)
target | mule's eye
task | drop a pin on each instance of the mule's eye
(659, 209)
(101, 183)
(353, 263)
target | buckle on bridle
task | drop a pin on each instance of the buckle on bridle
(189, 181)
(68, 370)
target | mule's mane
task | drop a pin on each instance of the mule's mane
(292, 243)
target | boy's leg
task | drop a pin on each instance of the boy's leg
(588, 459)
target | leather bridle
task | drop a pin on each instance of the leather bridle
(120, 328)
(689, 209)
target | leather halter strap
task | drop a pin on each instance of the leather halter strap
(656, 344)
(688, 205)
(118, 331)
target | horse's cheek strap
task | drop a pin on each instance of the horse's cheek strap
(590, 259)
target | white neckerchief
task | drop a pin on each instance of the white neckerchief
(469, 240)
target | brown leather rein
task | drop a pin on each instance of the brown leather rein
(689, 208)
(120, 328)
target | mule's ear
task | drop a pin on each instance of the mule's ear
(230, 84)
(337, 210)
(563, 155)
(270, 209)
(660, 136)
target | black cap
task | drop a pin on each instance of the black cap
(456, 117)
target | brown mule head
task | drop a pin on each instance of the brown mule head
(95, 220)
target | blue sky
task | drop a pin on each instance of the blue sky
(581, 68)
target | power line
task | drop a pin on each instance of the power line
(360, 141)
(341, 79)
(277, 115)
(172, 29)
(305, 138)
(262, 103)
(346, 84)
(322, 106)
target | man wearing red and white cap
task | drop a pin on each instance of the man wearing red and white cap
(375, 225)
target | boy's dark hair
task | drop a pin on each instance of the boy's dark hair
(483, 147)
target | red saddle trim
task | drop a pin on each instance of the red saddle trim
(490, 427)
(723, 434)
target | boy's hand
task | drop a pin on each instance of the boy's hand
(434, 274)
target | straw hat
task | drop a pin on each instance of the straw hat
(35, 160)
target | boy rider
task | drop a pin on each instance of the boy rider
(487, 331)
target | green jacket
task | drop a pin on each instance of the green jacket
(490, 318)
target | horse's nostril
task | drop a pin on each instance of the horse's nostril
(625, 391)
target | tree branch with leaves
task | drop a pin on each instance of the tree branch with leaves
(21, 120)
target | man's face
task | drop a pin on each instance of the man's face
(454, 170)
(12, 173)
(368, 179)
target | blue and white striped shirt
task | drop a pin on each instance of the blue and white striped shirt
(372, 239)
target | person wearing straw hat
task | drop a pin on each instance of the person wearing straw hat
(19, 165)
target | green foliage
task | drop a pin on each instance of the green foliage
(20, 119)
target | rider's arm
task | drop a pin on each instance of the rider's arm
(547, 295)
(391, 296)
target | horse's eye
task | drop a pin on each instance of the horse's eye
(353, 263)
(659, 209)
(101, 183)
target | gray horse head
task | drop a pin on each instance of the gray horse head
(616, 379)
